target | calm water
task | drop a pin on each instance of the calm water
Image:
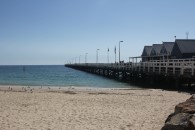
(37, 75)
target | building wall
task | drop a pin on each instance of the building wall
(188, 55)
(163, 50)
(176, 53)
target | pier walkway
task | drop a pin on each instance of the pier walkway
(174, 72)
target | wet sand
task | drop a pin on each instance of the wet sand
(47, 108)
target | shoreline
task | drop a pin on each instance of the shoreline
(86, 108)
(44, 87)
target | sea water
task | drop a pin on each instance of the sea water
(54, 75)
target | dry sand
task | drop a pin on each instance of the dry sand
(85, 109)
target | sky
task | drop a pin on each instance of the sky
(55, 32)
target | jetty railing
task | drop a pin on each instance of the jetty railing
(171, 66)
(177, 67)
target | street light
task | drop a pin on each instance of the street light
(108, 55)
(86, 57)
(97, 55)
(79, 59)
(119, 50)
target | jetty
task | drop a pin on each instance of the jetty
(170, 64)
(175, 72)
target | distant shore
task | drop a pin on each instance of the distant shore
(26, 107)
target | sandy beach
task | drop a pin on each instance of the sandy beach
(26, 108)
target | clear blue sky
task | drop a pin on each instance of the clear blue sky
(56, 31)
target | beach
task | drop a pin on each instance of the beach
(47, 108)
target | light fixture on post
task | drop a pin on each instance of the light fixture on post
(119, 50)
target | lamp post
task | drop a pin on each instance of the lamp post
(79, 59)
(97, 55)
(86, 57)
(108, 55)
(119, 50)
(115, 53)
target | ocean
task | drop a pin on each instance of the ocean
(54, 75)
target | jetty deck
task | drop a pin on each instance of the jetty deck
(171, 72)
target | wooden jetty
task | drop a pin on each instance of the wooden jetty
(170, 73)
